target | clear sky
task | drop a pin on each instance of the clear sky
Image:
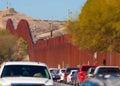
(45, 9)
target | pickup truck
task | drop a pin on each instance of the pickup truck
(19, 73)
(103, 71)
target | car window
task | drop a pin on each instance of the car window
(25, 71)
(108, 70)
(69, 69)
(63, 71)
(74, 73)
(91, 70)
(54, 71)
(85, 68)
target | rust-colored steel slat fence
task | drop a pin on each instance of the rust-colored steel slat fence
(59, 51)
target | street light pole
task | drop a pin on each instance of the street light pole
(110, 57)
(95, 56)
(51, 29)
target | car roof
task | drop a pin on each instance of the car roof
(73, 70)
(107, 67)
(89, 65)
(24, 63)
(53, 68)
(62, 68)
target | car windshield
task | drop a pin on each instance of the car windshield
(85, 68)
(108, 70)
(63, 71)
(54, 71)
(25, 71)
(69, 69)
(74, 73)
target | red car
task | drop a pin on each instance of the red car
(83, 71)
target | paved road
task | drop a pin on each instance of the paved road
(61, 84)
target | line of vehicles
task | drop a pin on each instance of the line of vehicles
(88, 75)
(38, 74)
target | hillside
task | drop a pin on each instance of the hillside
(40, 29)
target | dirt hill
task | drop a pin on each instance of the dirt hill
(40, 29)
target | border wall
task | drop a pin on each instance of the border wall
(59, 51)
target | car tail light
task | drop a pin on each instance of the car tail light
(82, 76)
(65, 75)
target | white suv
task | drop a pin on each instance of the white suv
(25, 74)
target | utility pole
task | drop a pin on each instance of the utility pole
(51, 28)
(69, 14)
(7, 5)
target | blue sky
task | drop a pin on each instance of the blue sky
(45, 9)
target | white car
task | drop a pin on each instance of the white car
(70, 76)
(25, 74)
(61, 74)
